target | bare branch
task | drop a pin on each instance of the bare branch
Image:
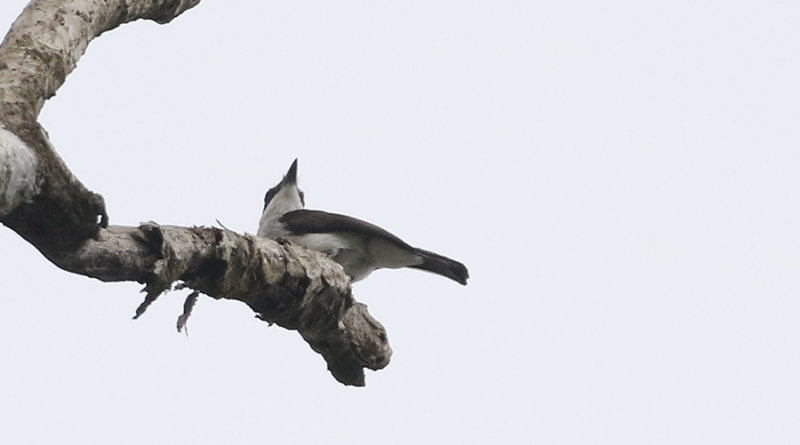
(46, 204)
(45, 42)
(284, 284)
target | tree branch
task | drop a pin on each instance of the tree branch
(46, 204)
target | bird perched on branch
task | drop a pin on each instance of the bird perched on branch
(360, 247)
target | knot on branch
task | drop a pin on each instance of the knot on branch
(367, 336)
(165, 11)
(166, 269)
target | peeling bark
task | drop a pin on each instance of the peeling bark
(46, 204)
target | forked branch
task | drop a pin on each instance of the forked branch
(46, 204)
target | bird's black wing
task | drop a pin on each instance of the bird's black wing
(300, 222)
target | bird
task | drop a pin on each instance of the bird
(358, 246)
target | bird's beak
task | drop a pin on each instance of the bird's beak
(291, 175)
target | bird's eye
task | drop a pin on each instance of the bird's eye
(302, 198)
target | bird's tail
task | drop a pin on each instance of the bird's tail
(438, 264)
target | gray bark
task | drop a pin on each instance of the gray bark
(42, 201)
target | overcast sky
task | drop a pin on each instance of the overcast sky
(620, 177)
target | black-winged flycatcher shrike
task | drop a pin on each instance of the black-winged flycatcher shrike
(360, 247)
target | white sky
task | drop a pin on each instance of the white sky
(620, 177)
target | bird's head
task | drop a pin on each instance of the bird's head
(286, 196)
